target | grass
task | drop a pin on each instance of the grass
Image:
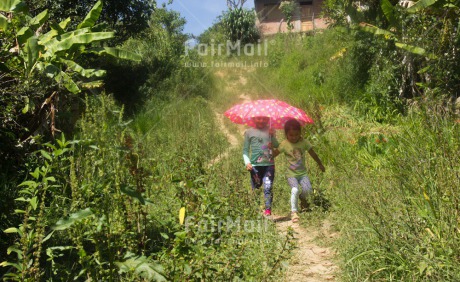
(390, 184)
(181, 146)
(389, 188)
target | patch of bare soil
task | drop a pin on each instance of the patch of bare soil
(310, 262)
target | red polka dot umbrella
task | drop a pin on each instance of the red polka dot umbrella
(278, 111)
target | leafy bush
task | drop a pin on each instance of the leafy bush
(40, 70)
(181, 139)
(393, 166)
(407, 211)
(288, 8)
(165, 72)
(381, 100)
(239, 25)
(214, 34)
(423, 39)
(318, 68)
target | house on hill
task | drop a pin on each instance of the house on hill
(271, 20)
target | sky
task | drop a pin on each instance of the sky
(200, 14)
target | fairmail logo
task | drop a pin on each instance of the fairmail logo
(230, 48)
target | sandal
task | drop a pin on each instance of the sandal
(294, 217)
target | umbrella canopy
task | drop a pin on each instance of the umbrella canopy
(278, 111)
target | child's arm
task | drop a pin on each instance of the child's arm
(275, 151)
(317, 160)
(273, 144)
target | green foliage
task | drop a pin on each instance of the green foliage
(424, 35)
(380, 101)
(141, 266)
(239, 25)
(126, 18)
(74, 207)
(55, 51)
(164, 71)
(32, 232)
(214, 34)
(64, 223)
(39, 49)
(288, 8)
(396, 209)
(405, 221)
(41, 64)
(316, 68)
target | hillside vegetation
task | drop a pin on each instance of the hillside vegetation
(391, 183)
(108, 175)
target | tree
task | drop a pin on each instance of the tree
(40, 72)
(39, 63)
(125, 17)
(422, 36)
(240, 25)
(288, 8)
(235, 4)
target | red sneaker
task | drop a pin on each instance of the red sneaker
(267, 212)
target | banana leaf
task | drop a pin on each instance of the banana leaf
(68, 43)
(12, 6)
(39, 19)
(49, 38)
(32, 51)
(415, 50)
(64, 23)
(89, 73)
(390, 12)
(92, 16)
(24, 34)
(3, 22)
(376, 31)
(117, 53)
(61, 77)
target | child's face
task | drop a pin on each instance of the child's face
(261, 122)
(293, 136)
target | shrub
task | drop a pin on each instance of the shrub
(240, 25)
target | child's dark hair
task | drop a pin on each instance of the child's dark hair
(291, 124)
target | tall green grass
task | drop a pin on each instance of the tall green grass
(181, 142)
(109, 201)
(391, 186)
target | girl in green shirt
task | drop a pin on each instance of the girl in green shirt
(294, 147)
(258, 158)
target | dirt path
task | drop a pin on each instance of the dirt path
(232, 138)
(310, 262)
